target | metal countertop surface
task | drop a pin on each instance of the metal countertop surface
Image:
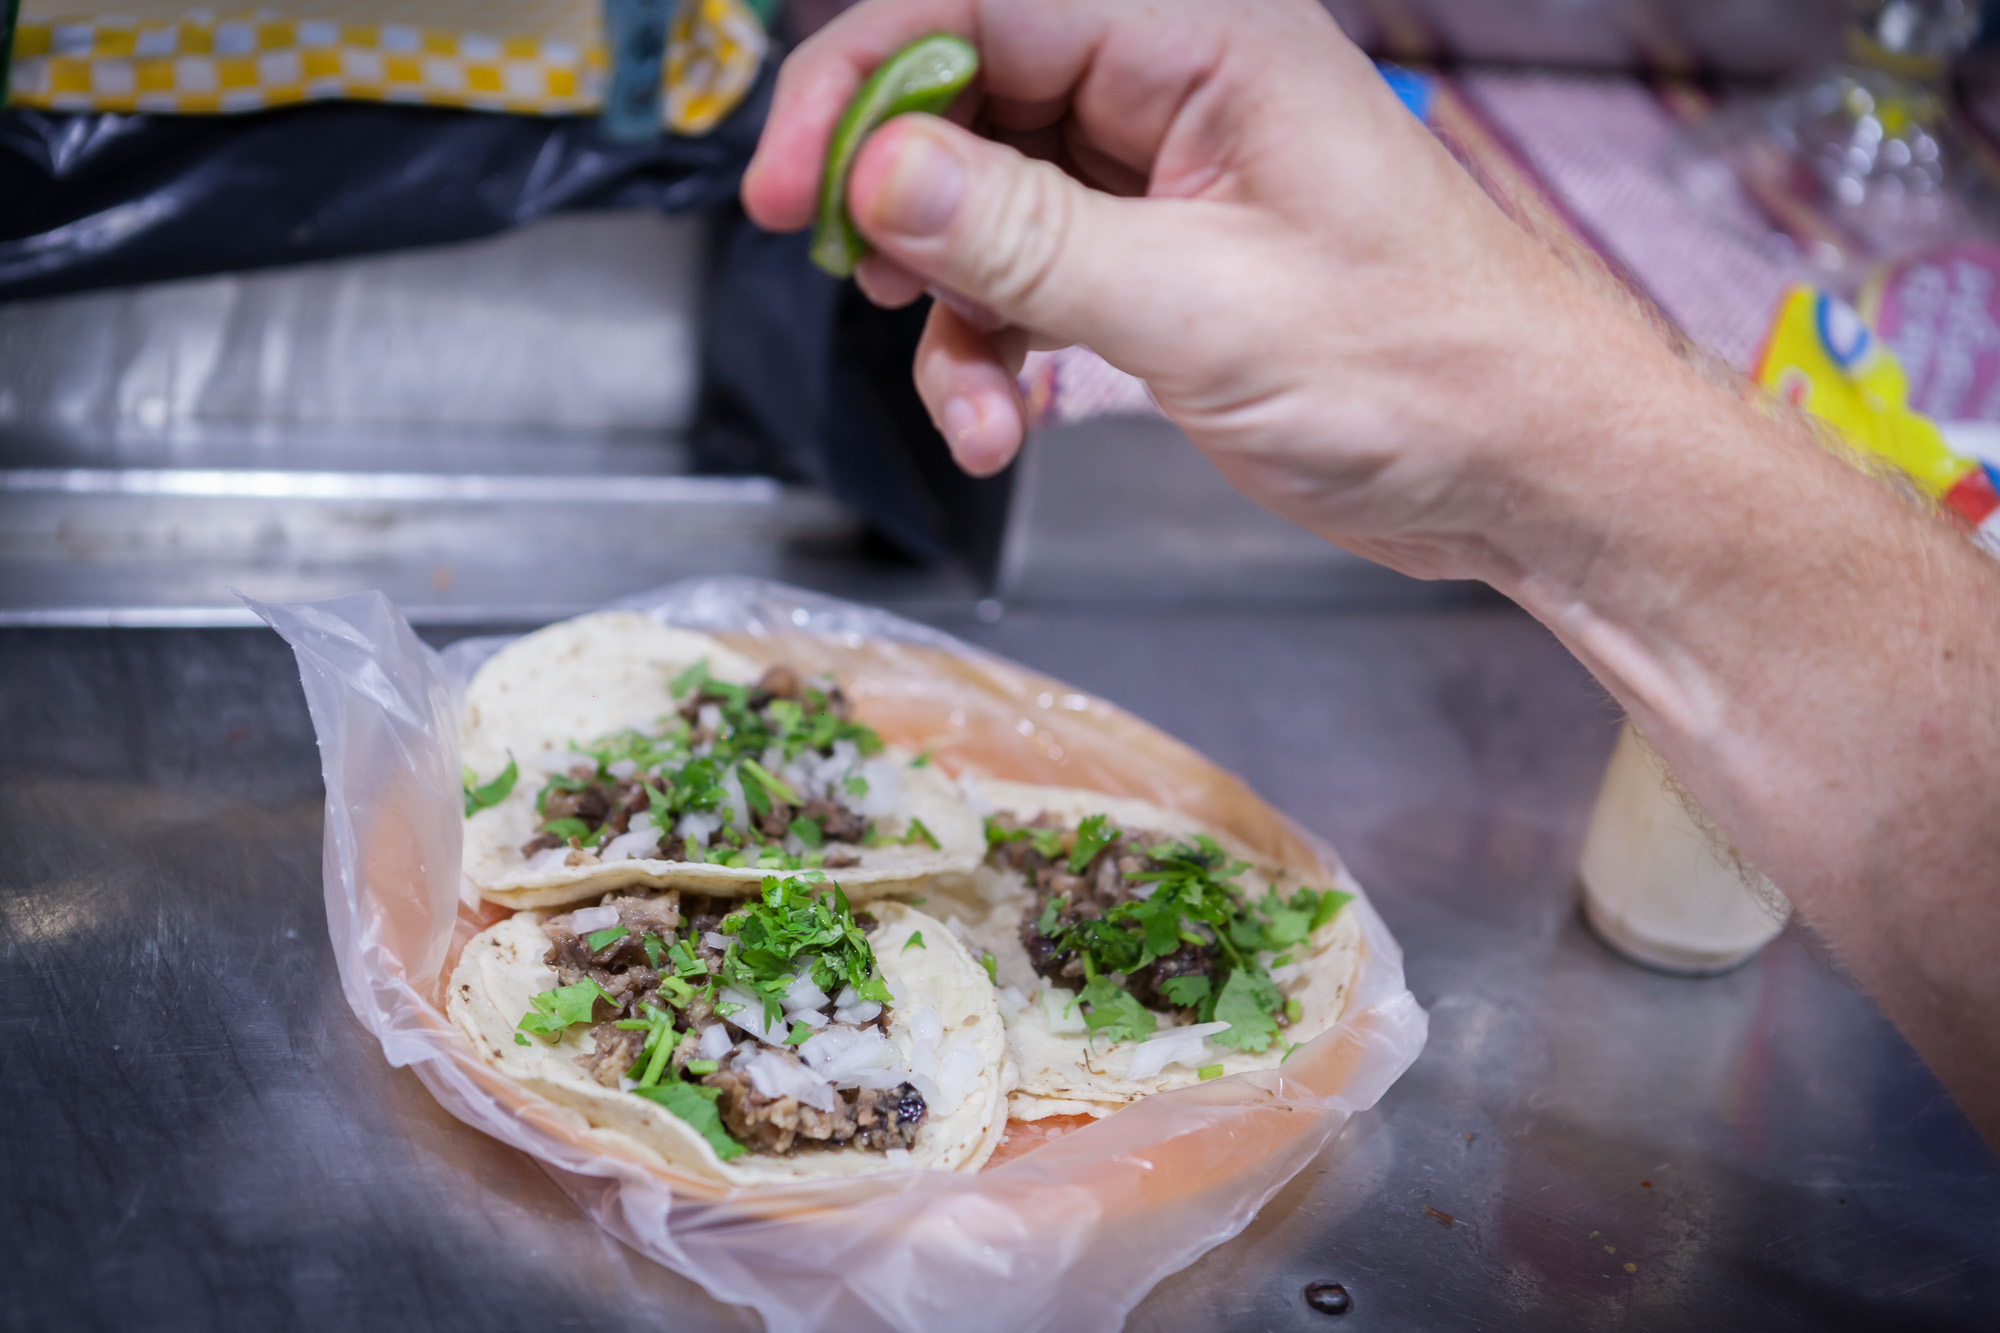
(199, 1134)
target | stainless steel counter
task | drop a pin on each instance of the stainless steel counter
(197, 1134)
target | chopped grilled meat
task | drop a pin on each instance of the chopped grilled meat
(617, 1050)
(774, 822)
(868, 1118)
(887, 1117)
(837, 822)
(1102, 886)
(622, 804)
(1186, 961)
(840, 858)
(780, 682)
(589, 803)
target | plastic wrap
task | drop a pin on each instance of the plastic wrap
(1072, 1222)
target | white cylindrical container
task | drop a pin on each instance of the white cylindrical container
(1658, 887)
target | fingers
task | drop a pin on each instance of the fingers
(969, 386)
(781, 184)
(1126, 70)
(990, 228)
(887, 283)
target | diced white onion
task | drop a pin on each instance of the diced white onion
(555, 761)
(710, 717)
(1062, 1011)
(1286, 975)
(812, 1018)
(849, 1007)
(714, 1043)
(622, 768)
(1172, 1046)
(637, 845)
(884, 797)
(898, 991)
(804, 994)
(737, 809)
(957, 1072)
(717, 940)
(925, 1025)
(851, 1057)
(865, 1012)
(925, 1084)
(698, 826)
(749, 1016)
(778, 1075)
(549, 858)
(898, 1157)
(1011, 1000)
(593, 918)
(955, 926)
(880, 1079)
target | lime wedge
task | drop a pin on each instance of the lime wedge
(927, 75)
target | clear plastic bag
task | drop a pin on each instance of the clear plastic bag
(1072, 1223)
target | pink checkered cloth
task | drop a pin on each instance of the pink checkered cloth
(1593, 144)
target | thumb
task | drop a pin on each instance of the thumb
(1033, 245)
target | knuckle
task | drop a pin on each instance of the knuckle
(1018, 257)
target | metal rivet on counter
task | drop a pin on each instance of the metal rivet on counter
(1328, 1297)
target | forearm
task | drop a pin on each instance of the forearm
(1816, 656)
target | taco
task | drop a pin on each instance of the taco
(781, 1037)
(1137, 951)
(612, 750)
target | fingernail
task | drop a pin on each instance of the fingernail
(981, 317)
(924, 188)
(961, 421)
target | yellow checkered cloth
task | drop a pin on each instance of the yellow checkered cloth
(200, 64)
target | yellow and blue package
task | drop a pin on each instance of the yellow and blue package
(530, 57)
(1822, 357)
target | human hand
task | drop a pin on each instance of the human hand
(1227, 202)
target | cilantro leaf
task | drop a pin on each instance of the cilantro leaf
(998, 833)
(1046, 923)
(478, 798)
(921, 761)
(992, 966)
(808, 832)
(918, 833)
(1285, 924)
(1112, 1011)
(562, 830)
(655, 952)
(597, 939)
(1208, 1072)
(800, 1033)
(1326, 904)
(1185, 991)
(556, 1010)
(769, 781)
(696, 1105)
(1245, 1003)
(693, 678)
(854, 785)
(701, 1066)
(1047, 842)
(916, 941)
(1093, 835)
